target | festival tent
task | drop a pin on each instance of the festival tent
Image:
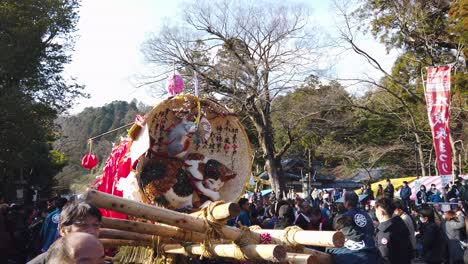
(439, 181)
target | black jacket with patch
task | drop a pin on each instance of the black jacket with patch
(393, 241)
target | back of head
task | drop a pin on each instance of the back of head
(286, 212)
(76, 248)
(427, 211)
(386, 204)
(242, 202)
(398, 204)
(352, 199)
(60, 202)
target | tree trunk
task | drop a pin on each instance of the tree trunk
(421, 155)
(272, 162)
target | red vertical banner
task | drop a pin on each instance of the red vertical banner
(438, 104)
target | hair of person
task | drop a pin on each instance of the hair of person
(388, 179)
(386, 204)
(60, 252)
(398, 204)
(78, 210)
(351, 198)
(450, 215)
(315, 211)
(242, 202)
(405, 182)
(426, 211)
(60, 202)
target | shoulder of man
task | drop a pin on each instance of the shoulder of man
(39, 259)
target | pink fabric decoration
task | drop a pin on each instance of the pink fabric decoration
(175, 84)
(265, 238)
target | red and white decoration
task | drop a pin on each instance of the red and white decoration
(438, 102)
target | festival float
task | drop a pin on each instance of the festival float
(168, 189)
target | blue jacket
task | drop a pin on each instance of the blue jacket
(363, 223)
(405, 193)
(49, 231)
(356, 249)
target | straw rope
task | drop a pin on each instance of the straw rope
(290, 244)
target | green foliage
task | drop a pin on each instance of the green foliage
(77, 129)
(35, 41)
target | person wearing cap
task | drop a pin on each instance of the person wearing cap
(357, 249)
(361, 218)
(392, 237)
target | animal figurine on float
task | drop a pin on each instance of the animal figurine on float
(185, 153)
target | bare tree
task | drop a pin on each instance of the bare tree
(246, 52)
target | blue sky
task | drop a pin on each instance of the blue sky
(107, 57)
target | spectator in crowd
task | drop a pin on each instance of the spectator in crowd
(302, 218)
(243, 219)
(464, 191)
(436, 197)
(432, 190)
(355, 250)
(325, 210)
(393, 237)
(405, 194)
(19, 233)
(369, 192)
(399, 211)
(285, 217)
(453, 227)
(432, 237)
(317, 221)
(5, 239)
(389, 189)
(76, 248)
(78, 216)
(453, 193)
(361, 219)
(380, 192)
(421, 196)
(49, 231)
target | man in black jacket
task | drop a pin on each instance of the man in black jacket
(392, 236)
(389, 189)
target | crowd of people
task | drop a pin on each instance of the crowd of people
(378, 229)
(56, 231)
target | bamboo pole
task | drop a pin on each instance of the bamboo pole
(120, 234)
(222, 212)
(272, 253)
(314, 238)
(321, 257)
(162, 215)
(298, 258)
(113, 243)
(153, 229)
(197, 224)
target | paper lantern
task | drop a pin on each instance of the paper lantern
(89, 161)
(175, 84)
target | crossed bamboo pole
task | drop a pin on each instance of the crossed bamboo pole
(192, 227)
